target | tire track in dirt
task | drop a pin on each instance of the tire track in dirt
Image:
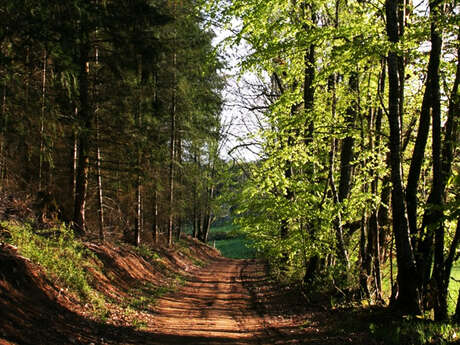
(215, 306)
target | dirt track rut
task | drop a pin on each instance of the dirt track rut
(216, 306)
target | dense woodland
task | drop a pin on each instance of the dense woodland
(358, 106)
(111, 122)
(110, 114)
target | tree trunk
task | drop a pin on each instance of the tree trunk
(171, 169)
(408, 295)
(172, 138)
(429, 103)
(100, 193)
(375, 227)
(346, 156)
(74, 163)
(179, 177)
(138, 221)
(84, 117)
(435, 214)
(155, 217)
(309, 100)
(42, 123)
(207, 221)
(196, 216)
(99, 183)
(4, 124)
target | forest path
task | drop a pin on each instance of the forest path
(226, 302)
(235, 302)
(218, 305)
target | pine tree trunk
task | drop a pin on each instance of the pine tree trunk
(42, 123)
(179, 180)
(99, 183)
(4, 124)
(84, 117)
(155, 234)
(171, 169)
(196, 217)
(138, 220)
(172, 136)
(74, 163)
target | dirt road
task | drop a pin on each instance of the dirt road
(218, 305)
(226, 302)
(235, 302)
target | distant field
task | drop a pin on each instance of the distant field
(234, 246)
(228, 241)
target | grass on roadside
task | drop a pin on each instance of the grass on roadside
(63, 258)
(415, 331)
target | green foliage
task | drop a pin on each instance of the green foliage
(146, 252)
(414, 331)
(64, 258)
(139, 324)
(146, 295)
(454, 288)
(57, 251)
(309, 197)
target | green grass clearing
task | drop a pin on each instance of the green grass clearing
(236, 248)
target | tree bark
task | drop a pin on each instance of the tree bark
(155, 234)
(171, 170)
(172, 139)
(42, 122)
(374, 229)
(138, 221)
(442, 162)
(346, 156)
(430, 102)
(4, 124)
(99, 183)
(408, 294)
(179, 180)
(85, 118)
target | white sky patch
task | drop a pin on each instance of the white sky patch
(240, 122)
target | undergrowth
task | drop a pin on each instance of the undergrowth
(147, 253)
(64, 258)
(414, 331)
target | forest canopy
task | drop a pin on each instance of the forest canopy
(359, 131)
(110, 114)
